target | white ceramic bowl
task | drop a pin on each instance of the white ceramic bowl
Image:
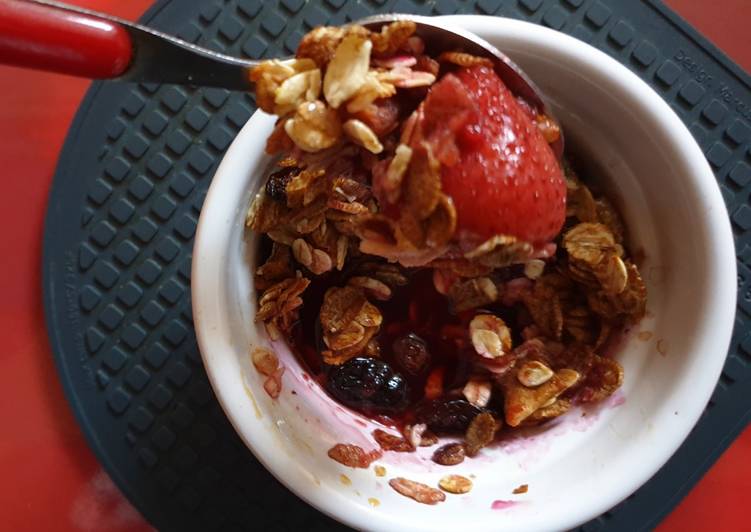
(581, 466)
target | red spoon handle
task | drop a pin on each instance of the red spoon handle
(47, 38)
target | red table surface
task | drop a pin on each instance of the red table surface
(50, 478)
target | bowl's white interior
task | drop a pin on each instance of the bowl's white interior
(587, 462)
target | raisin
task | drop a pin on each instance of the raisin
(411, 354)
(276, 186)
(353, 455)
(449, 454)
(369, 385)
(447, 416)
(480, 433)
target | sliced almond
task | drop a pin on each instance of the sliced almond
(477, 392)
(347, 72)
(361, 134)
(534, 373)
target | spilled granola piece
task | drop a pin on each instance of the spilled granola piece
(455, 484)
(418, 491)
(265, 361)
(272, 385)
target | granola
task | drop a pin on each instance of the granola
(418, 491)
(414, 292)
(456, 484)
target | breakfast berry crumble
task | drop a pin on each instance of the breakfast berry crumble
(425, 253)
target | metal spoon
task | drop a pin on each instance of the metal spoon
(54, 36)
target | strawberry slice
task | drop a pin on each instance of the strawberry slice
(496, 165)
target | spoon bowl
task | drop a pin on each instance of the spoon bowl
(51, 35)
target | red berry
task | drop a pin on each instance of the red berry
(496, 165)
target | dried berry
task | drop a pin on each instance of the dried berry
(449, 454)
(480, 433)
(353, 455)
(447, 416)
(276, 186)
(434, 383)
(411, 354)
(369, 385)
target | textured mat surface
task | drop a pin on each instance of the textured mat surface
(123, 212)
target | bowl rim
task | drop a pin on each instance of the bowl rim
(205, 267)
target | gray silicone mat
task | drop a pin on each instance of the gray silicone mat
(122, 216)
